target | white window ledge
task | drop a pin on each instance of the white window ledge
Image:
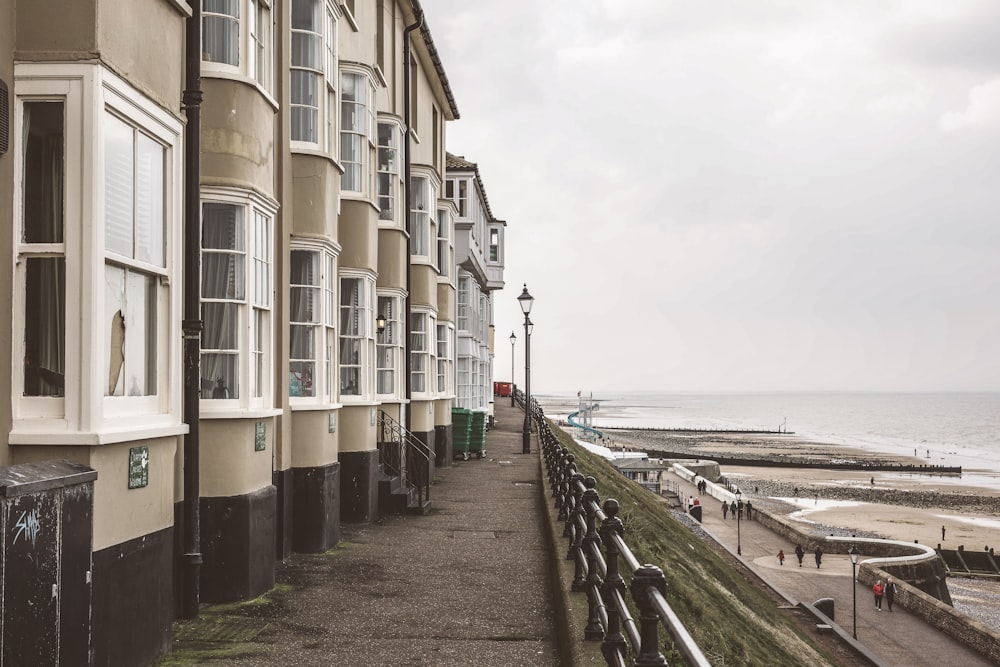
(250, 413)
(91, 439)
(306, 407)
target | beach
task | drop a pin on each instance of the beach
(901, 506)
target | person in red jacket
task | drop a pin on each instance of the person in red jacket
(879, 590)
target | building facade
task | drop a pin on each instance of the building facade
(344, 282)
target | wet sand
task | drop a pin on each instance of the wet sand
(898, 506)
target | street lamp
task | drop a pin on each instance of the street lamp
(854, 553)
(739, 518)
(513, 339)
(525, 300)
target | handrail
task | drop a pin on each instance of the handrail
(598, 554)
(404, 455)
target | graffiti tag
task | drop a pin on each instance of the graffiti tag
(27, 525)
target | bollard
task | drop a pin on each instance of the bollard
(591, 546)
(645, 578)
(614, 641)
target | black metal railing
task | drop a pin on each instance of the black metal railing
(403, 455)
(599, 573)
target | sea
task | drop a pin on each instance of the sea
(950, 429)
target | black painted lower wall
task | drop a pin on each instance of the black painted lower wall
(444, 447)
(284, 513)
(359, 486)
(316, 498)
(237, 545)
(428, 438)
(133, 600)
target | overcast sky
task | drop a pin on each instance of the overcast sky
(743, 195)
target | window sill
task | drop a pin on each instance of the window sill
(240, 413)
(92, 439)
(313, 407)
(209, 72)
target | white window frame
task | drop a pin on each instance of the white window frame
(389, 345)
(445, 359)
(463, 302)
(325, 344)
(445, 246)
(323, 67)
(356, 325)
(84, 415)
(390, 184)
(254, 308)
(421, 223)
(423, 342)
(254, 43)
(358, 127)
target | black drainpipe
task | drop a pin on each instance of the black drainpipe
(192, 324)
(408, 421)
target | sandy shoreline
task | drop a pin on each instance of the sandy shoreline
(889, 504)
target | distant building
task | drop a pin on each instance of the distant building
(341, 287)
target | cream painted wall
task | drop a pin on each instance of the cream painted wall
(229, 464)
(357, 428)
(313, 444)
(358, 235)
(315, 191)
(423, 286)
(422, 419)
(391, 258)
(237, 136)
(120, 513)
(442, 412)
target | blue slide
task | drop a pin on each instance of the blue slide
(569, 418)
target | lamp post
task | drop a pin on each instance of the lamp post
(739, 518)
(525, 300)
(854, 553)
(513, 339)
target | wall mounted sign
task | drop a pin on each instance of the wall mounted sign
(260, 437)
(138, 467)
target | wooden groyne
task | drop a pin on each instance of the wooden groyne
(838, 464)
(710, 431)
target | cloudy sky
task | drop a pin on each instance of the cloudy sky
(744, 195)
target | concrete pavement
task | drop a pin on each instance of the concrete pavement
(897, 638)
(468, 584)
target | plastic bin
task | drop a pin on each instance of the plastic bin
(477, 436)
(461, 423)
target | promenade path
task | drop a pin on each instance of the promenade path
(469, 583)
(897, 638)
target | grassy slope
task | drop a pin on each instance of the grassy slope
(725, 614)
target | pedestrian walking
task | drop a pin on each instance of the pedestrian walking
(819, 557)
(749, 511)
(879, 590)
(739, 508)
(942, 533)
(799, 553)
(732, 509)
(890, 592)
(725, 510)
(781, 556)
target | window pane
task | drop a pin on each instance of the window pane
(303, 342)
(45, 326)
(140, 334)
(219, 375)
(149, 188)
(307, 50)
(44, 170)
(221, 31)
(222, 276)
(119, 204)
(222, 226)
(306, 15)
(300, 378)
(350, 381)
(221, 324)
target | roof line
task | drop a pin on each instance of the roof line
(425, 32)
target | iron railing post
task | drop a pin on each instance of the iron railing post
(643, 579)
(614, 641)
(591, 546)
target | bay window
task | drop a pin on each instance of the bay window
(388, 170)
(444, 256)
(494, 251)
(423, 198)
(312, 315)
(313, 71)
(236, 251)
(96, 244)
(389, 348)
(462, 304)
(236, 39)
(357, 340)
(418, 352)
(357, 94)
(445, 344)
